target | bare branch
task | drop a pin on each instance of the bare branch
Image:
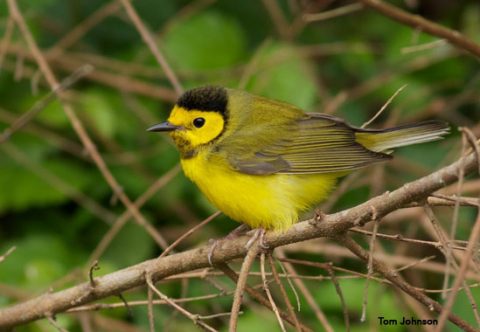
(418, 22)
(266, 288)
(189, 232)
(398, 281)
(148, 38)
(472, 244)
(78, 126)
(284, 293)
(26, 117)
(8, 253)
(242, 281)
(331, 225)
(194, 318)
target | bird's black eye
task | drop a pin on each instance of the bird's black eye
(199, 122)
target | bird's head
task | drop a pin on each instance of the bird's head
(197, 119)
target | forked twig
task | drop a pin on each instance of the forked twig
(398, 281)
(242, 281)
(269, 294)
(194, 318)
(369, 269)
(321, 317)
(257, 295)
(284, 293)
(331, 225)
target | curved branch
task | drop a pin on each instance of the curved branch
(330, 226)
(418, 22)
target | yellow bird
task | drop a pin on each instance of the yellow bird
(263, 162)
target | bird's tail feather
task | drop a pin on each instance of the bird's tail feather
(383, 140)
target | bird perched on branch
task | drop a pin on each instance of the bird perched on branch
(263, 162)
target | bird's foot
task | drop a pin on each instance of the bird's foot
(260, 235)
(240, 230)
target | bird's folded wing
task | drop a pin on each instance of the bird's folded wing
(317, 143)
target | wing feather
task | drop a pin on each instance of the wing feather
(307, 143)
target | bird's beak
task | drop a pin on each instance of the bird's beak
(164, 126)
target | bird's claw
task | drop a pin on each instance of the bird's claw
(211, 251)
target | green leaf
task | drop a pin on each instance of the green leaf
(53, 115)
(26, 189)
(284, 75)
(99, 110)
(38, 260)
(206, 41)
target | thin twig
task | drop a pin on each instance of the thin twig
(7, 36)
(78, 126)
(54, 323)
(370, 270)
(122, 220)
(194, 318)
(253, 64)
(384, 106)
(100, 306)
(338, 289)
(472, 244)
(269, 294)
(150, 41)
(412, 264)
(423, 47)
(26, 117)
(418, 22)
(474, 142)
(8, 253)
(281, 24)
(400, 237)
(189, 232)
(331, 225)
(292, 287)
(329, 268)
(284, 293)
(398, 281)
(56, 182)
(151, 317)
(456, 211)
(91, 278)
(126, 305)
(257, 295)
(326, 15)
(242, 281)
(307, 294)
(83, 27)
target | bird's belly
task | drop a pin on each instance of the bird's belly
(267, 201)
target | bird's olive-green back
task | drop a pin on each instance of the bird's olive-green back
(264, 136)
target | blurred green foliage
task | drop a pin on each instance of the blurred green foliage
(43, 167)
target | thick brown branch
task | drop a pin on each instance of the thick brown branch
(331, 225)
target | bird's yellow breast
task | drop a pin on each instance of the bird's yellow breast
(267, 201)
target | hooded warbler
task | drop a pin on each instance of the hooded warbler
(263, 162)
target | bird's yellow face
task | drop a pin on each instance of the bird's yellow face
(196, 120)
(195, 128)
